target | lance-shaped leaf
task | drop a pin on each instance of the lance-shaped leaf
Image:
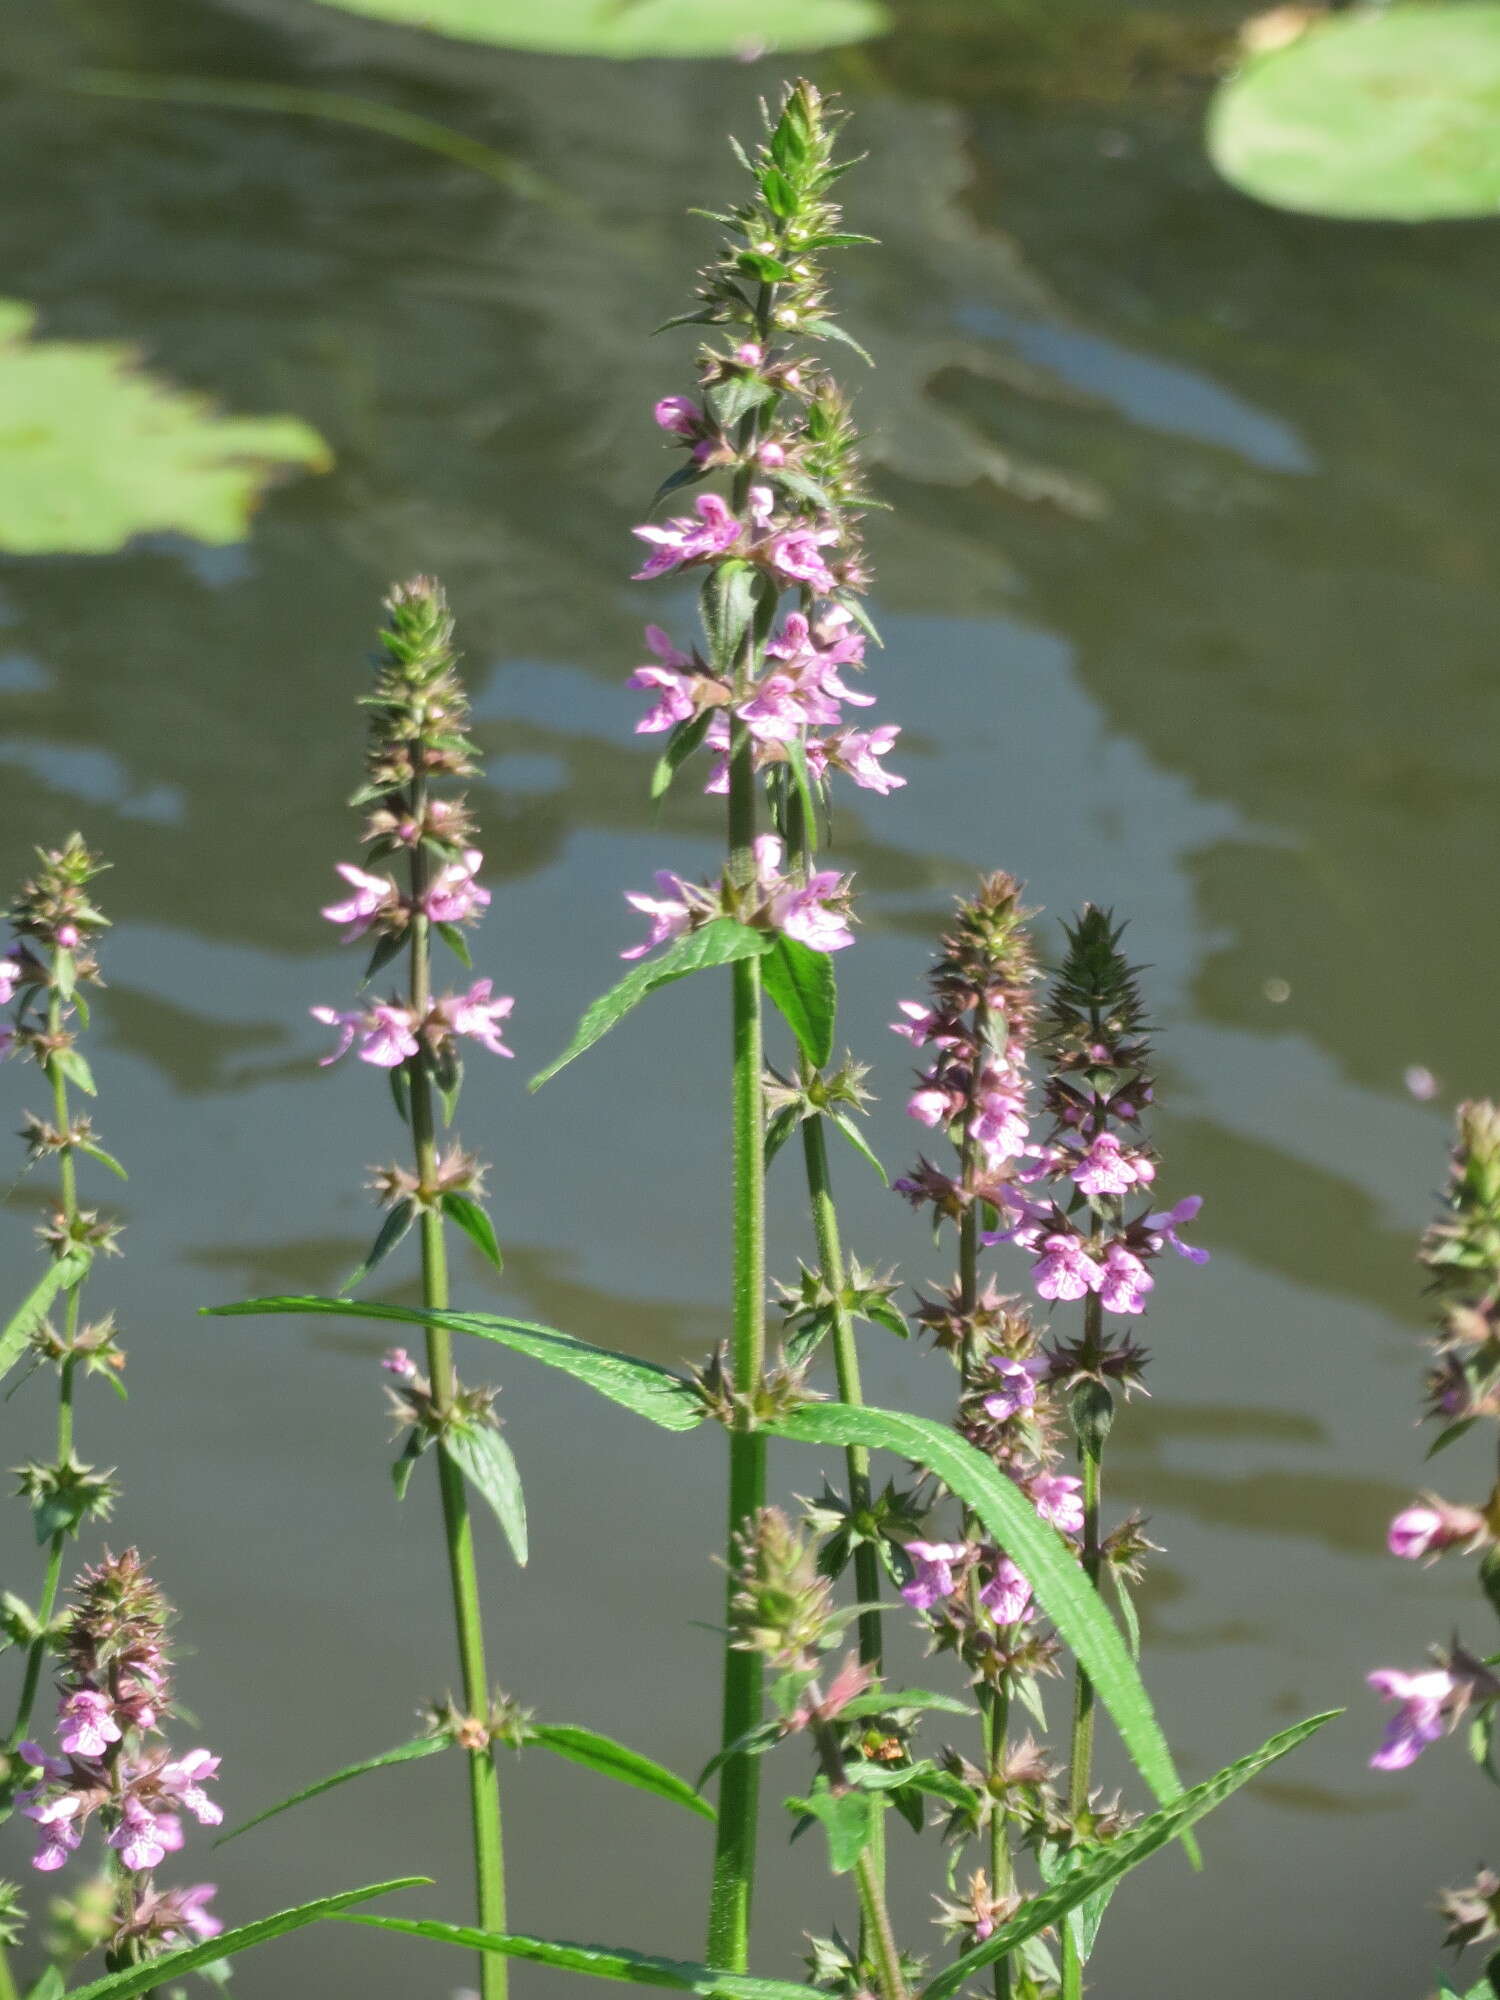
(847, 1818)
(800, 985)
(614, 1760)
(404, 1753)
(172, 1964)
(636, 1968)
(1117, 1857)
(489, 1465)
(648, 1389)
(1049, 1564)
(475, 1224)
(719, 942)
(24, 1321)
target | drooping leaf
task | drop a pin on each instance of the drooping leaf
(1048, 1563)
(475, 1224)
(847, 1818)
(717, 943)
(642, 1386)
(1117, 1857)
(58, 1277)
(1375, 114)
(846, 1125)
(489, 1465)
(404, 1753)
(614, 1760)
(93, 451)
(636, 1968)
(681, 744)
(172, 1964)
(800, 984)
(104, 1159)
(645, 28)
(390, 1233)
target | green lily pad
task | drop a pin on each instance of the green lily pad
(622, 28)
(94, 450)
(1382, 116)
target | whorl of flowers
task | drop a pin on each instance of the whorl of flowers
(769, 419)
(115, 1766)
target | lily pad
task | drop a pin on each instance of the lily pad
(621, 28)
(93, 450)
(1388, 115)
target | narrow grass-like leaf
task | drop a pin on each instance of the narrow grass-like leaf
(636, 1968)
(389, 1234)
(489, 1465)
(800, 985)
(614, 1760)
(172, 1964)
(887, 1700)
(717, 943)
(846, 1125)
(404, 1753)
(1049, 1564)
(1117, 1857)
(58, 1277)
(648, 1389)
(463, 1210)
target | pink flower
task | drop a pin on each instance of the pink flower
(1017, 1391)
(1065, 1270)
(683, 541)
(919, 1022)
(1162, 1225)
(1419, 1718)
(773, 712)
(68, 937)
(142, 1838)
(10, 974)
(857, 753)
(668, 912)
(183, 1910)
(680, 415)
(373, 896)
(55, 1816)
(1058, 1498)
(932, 1580)
(673, 684)
(771, 454)
(1433, 1525)
(749, 354)
(816, 915)
(1007, 1595)
(454, 897)
(796, 556)
(396, 1361)
(1125, 1281)
(933, 1105)
(1106, 1168)
(86, 1724)
(476, 1015)
(384, 1033)
(183, 1782)
(999, 1127)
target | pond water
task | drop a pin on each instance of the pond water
(1190, 607)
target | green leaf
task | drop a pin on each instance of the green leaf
(646, 1388)
(171, 1964)
(681, 744)
(456, 942)
(614, 1760)
(848, 1819)
(48, 1987)
(489, 1464)
(888, 1700)
(404, 1753)
(1049, 1564)
(1374, 114)
(1113, 1860)
(800, 984)
(1128, 1614)
(94, 450)
(105, 1159)
(636, 1968)
(728, 594)
(644, 28)
(389, 1234)
(719, 942)
(58, 1277)
(69, 1062)
(475, 1224)
(829, 329)
(845, 1124)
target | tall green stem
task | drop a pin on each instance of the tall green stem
(68, 1203)
(1090, 1454)
(875, 1916)
(458, 1532)
(739, 1785)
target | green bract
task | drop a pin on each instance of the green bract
(1389, 116)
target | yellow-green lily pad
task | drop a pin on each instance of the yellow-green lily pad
(94, 450)
(622, 28)
(1386, 115)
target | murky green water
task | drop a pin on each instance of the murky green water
(1190, 607)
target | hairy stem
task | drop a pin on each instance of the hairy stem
(458, 1531)
(1082, 1745)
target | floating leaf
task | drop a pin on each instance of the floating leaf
(637, 1968)
(717, 943)
(404, 1753)
(644, 28)
(800, 984)
(170, 1965)
(642, 1386)
(613, 1760)
(93, 450)
(1113, 1860)
(1375, 114)
(24, 1320)
(489, 1465)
